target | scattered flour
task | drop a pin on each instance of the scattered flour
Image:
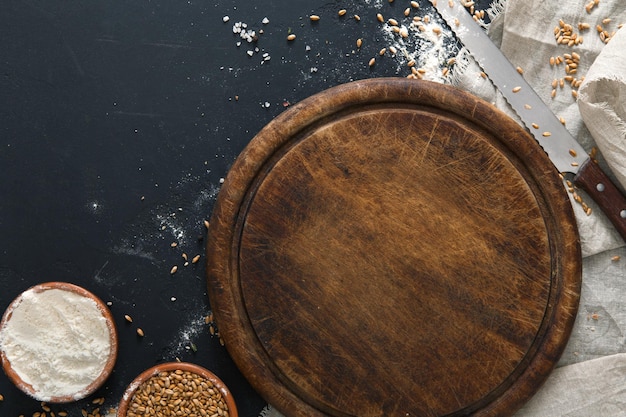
(423, 41)
(57, 341)
(169, 222)
(188, 333)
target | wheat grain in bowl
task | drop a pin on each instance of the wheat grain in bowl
(177, 389)
(58, 342)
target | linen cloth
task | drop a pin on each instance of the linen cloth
(602, 103)
(590, 379)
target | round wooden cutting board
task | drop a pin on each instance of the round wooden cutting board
(394, 247)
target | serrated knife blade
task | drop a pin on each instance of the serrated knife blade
(564, 151)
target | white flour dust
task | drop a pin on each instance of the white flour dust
(171, 224)
(179, 222)
(421, 45)
(188, 334)
(129, 247)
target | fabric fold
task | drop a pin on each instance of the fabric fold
(602, 103)
(591, 388)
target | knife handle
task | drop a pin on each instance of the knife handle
(601, 189)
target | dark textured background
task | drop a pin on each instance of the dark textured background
(105, 102)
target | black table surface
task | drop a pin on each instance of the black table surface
(118, 120)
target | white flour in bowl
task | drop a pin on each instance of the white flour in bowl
(57, 341)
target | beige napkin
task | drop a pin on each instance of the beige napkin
(602, 103)
(595, 388)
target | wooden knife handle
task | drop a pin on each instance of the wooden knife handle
(601, 189)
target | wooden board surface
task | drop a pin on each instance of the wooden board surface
(394, 248)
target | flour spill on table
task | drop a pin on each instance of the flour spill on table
(176, 224)
(131, 247)
(171, 225)
(187, 338)
(205, 198)
(174, 232)
(420, 45)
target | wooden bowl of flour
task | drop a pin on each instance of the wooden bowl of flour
(58, 342)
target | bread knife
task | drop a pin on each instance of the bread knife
(569, 158)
